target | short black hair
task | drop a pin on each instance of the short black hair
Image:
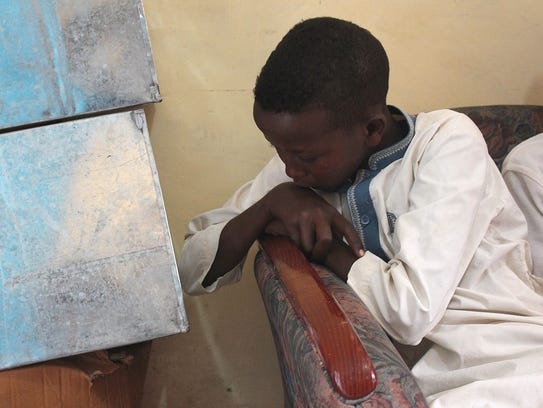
(327, 63)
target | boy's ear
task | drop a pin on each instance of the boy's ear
(375, 128)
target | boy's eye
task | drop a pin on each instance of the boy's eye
(308, 159)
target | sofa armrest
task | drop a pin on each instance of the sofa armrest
(303, 362)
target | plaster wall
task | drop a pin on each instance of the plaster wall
(208, 53)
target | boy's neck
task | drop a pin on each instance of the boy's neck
(396, 129)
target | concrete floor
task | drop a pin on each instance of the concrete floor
(227, 359)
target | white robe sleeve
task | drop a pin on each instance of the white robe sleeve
(203, 231)
(443, 182)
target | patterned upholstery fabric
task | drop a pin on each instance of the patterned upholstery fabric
(505, 126)
(306, 383)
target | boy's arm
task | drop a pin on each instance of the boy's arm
(236, 238)
(209, 251)
(203, 232)
(303, 215)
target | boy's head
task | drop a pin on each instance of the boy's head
(320, 100)
(325, 63)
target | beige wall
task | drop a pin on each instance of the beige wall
(208, 53)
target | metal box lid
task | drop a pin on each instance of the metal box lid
(66, 58)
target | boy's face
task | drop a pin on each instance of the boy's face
(316, 154)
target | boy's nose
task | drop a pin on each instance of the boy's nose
(294, 171)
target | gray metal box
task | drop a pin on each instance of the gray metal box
(86, 259)
(66, 58)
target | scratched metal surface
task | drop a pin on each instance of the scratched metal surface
(63, 58)
(86, 259)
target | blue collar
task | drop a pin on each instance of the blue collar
(379, 160)
(361, 206)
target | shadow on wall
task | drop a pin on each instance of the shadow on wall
(150, 116)
(534, 95)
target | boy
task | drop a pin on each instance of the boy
(410, 211)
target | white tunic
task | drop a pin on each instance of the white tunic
(454, 265)
(522, 171)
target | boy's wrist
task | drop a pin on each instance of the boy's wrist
(264, 209)
(340, 259)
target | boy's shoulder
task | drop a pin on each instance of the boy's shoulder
(445, 121)
(444, 116)
(441, 127)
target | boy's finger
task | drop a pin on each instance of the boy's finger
(351, 236)
(307, 237)
(276, 228)
(323, 240)
(320, 250)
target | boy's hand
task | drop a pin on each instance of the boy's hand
(308, 220)
(340, 259)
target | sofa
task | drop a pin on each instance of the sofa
(331, 351)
